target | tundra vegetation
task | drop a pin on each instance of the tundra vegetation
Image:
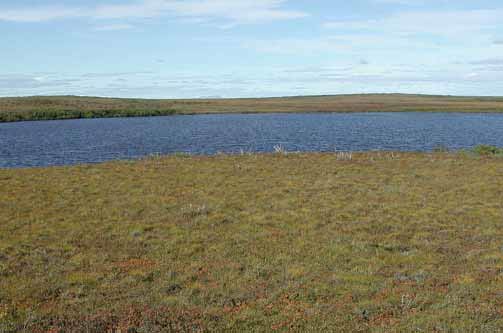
(383, 242)
(71, 107)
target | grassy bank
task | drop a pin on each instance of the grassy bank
(68, 107)
(370, 242)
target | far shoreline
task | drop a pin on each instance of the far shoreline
(258, 113)
(15, 109)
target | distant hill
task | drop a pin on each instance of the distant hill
(71, 107)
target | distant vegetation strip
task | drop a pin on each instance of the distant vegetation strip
(72, 107)
(79, 114)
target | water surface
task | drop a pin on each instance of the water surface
(67, 142)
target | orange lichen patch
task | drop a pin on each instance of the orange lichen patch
(382, 295)
(260, 291)
(290, 308)
(132, 264)
(174, 320)
(202, 271)
(130, 320)
(53, 330)
(277, 234)
(49, 306)
(488, 275)
(440, 286)
(282, 325)
(384, 319)
(407, 284)
(235, 309)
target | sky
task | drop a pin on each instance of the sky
(250, 48)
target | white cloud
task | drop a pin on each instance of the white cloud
(255, 82)
(432, 22)
(338, 45)
(247, 11)
(297, 46)
(24, 82)
(395, 2)
(114, 27)
(400, 2)
(408, 2)
(39, 14)
(490, 61)
(233, 11)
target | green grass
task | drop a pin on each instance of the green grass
(42, 114)
(68, 107)
(485, 150)
(374, 242)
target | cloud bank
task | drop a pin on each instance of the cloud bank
(232, 11)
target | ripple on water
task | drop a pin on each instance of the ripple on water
(66, 142)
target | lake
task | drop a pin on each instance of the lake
(68, 142)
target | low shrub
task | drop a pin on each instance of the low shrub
(486, 150)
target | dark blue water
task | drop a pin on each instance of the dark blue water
(31, 144)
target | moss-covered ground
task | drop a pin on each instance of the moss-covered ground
(380, 242)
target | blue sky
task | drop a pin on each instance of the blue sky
(241, 48)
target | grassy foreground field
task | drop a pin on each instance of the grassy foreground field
(68, 107)
(305, 242)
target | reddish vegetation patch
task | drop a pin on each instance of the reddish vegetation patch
(290, 308)
(131, 320)
(133, 264)
(384, 319)
(235, 309)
